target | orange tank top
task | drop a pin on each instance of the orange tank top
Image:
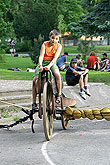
(49, 53)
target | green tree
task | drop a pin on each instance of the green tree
(39, 17)
(5, 25)
(34, 18)
(85, 49)
(95, 22)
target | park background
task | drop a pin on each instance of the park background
(29, 22)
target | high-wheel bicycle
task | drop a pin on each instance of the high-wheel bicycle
(47, 106)
(46, 89)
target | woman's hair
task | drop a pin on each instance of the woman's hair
(92, 54)
(54, 32)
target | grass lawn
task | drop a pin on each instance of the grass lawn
(19, 62)
(24, 63)
(99, 49)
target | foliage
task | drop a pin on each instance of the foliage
(40, 17)
(84, 48)
(5, 114)
(33, 18)
(61, 25)
(16, 118)
(2, 52)
(95, 22)
(36, 49)
(4, 45)
(5, 25)
(23, 46)
(71, 10)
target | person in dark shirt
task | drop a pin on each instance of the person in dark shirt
(79, 60)
(75, 75)
(62, 62)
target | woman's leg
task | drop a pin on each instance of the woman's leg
(34, 89)
(57, 75)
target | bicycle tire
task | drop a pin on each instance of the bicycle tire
(48, 110)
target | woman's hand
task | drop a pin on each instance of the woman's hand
(41, 69)
(47, 67)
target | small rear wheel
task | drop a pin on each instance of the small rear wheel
(48, 110)
(65, 121)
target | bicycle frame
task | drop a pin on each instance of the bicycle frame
(39, 87)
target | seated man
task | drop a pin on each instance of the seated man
(73, 77)
(104, 62)
(79, 60)
(62, 62)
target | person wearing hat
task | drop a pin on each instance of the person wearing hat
(62, 62)
(75, 75)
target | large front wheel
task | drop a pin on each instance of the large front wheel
(48, 110)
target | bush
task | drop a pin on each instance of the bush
(4, 46)
(23, 46)
(36, 49)
(85, 49)
(2, 52)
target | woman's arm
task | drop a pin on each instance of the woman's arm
(42, 52)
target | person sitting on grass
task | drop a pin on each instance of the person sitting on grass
(62, 62)
(92, 62)
(49, 53)
(104, 62)
(75, 75)
(79, 60)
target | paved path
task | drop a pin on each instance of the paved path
(99, 92)
(84, 142)
(11, 85)
(99, 95)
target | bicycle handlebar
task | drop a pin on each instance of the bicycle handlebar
(46, 71)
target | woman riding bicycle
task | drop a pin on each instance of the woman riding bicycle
(49, 53)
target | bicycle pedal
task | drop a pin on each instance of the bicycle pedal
(60, 111)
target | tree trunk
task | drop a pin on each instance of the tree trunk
(108, 40)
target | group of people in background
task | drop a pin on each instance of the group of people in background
(94, 63)
(76, 73)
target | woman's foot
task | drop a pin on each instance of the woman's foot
(58, 98)
(34, 106)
